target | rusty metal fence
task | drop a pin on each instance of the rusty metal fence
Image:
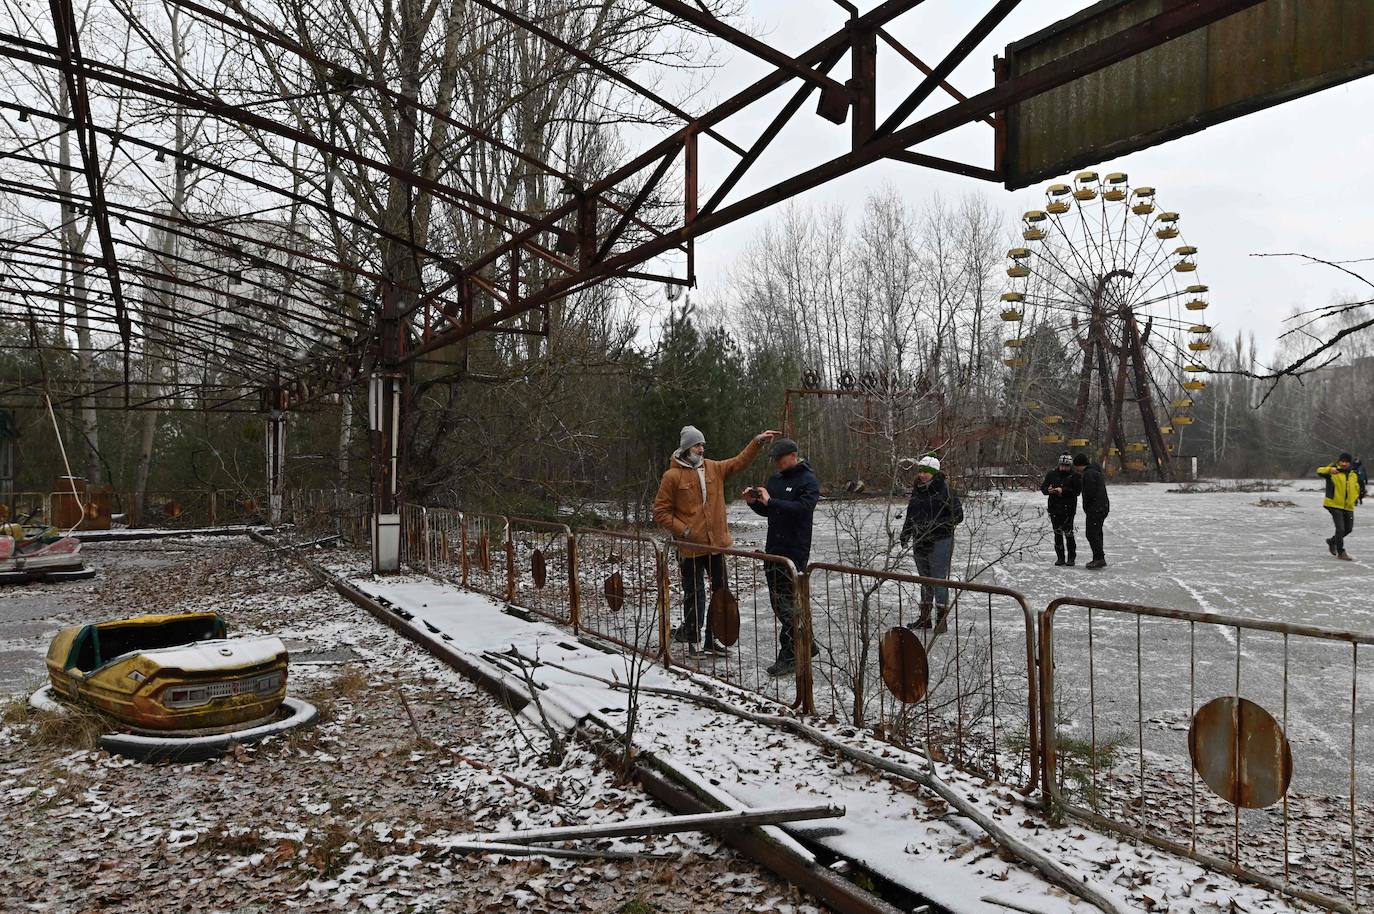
(1241, 743)
(487, 565)
(415, 552)
(964, 685)
(317, 514)
(738, 613)
(542, 567)
(622, 590)
(444, 537)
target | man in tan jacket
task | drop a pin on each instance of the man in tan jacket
(691, 507)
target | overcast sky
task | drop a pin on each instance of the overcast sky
(1292, 178)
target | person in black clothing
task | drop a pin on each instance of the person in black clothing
(1092, 485)
(788, 499)
(1061, 485)
(931, 516)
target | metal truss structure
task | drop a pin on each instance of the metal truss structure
(310, 323)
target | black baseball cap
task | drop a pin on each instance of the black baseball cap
(782, 447)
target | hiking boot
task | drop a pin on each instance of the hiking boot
(715, 648)
(682, 636)
(1069, 563)
(1344, 556)
(783, 666)
(940, 618)
(1331, 544)
(1096, 563)
(922, 621)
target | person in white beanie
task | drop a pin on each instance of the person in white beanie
(931, 516)
(691, 506)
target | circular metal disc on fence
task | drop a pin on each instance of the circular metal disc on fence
(1240, 751)
(724, 616)
(539, 569)
(483, 553)
(171, 509)
(250, 505)
(614, 589)
(903, 664)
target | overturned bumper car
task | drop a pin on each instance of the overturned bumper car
(39, 555)
(174, 686)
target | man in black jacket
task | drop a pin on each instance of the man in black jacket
(788, 499)
(1061, 485)
(931, 516)
(1092, 485)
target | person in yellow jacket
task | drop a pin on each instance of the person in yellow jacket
(691, 507)
(1342, 494)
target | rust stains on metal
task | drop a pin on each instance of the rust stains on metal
(904, 666)
(1240, 751)
(725, 616)
(539, 569)
(614, 591)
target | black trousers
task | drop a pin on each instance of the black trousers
(1064, 545)
(1092, 528)
(695, 596)
(782, 598)
(1344, 522)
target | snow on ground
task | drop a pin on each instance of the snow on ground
(354, 814)
(891, 827)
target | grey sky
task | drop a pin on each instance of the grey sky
(1291, 178)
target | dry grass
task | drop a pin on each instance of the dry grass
(74, 727)
(14, 711)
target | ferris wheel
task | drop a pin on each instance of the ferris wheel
(1106, 336)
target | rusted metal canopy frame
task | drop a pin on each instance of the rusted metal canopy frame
(202, 393)
(69, 48)
(244, 21)
(709, 23)
(1172, 23)
(1046, 625)
(168, 274)
(1034, 705)
(839, 41)
(33, 52)
(233, 245)
(196, 321)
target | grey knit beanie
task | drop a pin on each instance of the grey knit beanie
(691, 437)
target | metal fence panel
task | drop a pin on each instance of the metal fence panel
(543, 578)
(1242, 743)
(744, 576)
(622, 590)
(969, 691)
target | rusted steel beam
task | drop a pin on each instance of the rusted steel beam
(32, 52)
(1165, 26)
(874, 18)
(921, 65)
(770, 132)
(244, 21)
(945, 67)
(69, 49)
(38, 250)
(234, 247)
(710, 24)
(609, 72)
(644, 190)
(958, 168)
(864, 83)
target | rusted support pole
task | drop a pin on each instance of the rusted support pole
(689, 201)
(864, 84)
